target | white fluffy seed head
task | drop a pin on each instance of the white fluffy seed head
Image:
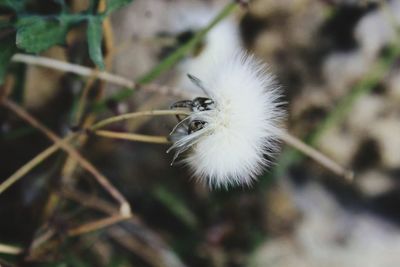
(241, 130)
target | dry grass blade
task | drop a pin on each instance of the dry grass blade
(73, 68)
(135, 246)
(102, 180)
(148, 242)
(32, 164)
(96, 225)
(93, 73)
(317, 156)
(12, 250)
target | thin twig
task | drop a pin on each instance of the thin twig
(317, 156)
(93, 73)
(96, 225)
(136, 246)
(71, 163)
(102, 180)
(38, 241)
(12, 250)
(146, 235)
(27, 167)
(288, 138)
(73, 68)
(133, 137)
(126, 116)
(83, 100)
(90, 201)
(153, 101)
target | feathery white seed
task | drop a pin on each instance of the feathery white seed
(242, 127)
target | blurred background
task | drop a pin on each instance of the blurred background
(338, 64)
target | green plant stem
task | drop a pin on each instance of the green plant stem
(172, 59)
(187, 47)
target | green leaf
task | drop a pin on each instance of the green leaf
(113, 5)
(95, 36)
(36, 34)
(7, 49)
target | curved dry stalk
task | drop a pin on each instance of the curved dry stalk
(146, 237)
(96, 225)
(73, 68)
(127, 116)
(101, 179)
(317, 156)
(93, 73)
(133, 137)
(33, 163)
(286, 137)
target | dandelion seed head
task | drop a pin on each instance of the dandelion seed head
(241, 129)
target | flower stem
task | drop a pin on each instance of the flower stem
(133, 137)
(317, 156)
(127, 116)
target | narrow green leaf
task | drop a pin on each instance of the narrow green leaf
(175, 205)
(37, 34)
(7, 49)
(95, 36)
(171, 60)
(113, 5)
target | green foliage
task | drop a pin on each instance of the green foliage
(16, 5)
(7, 49)
(41, 34)
(37, 33)
(94, 37)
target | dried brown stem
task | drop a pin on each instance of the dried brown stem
(96, 225)
(90, 201)
(33, 163)
(12, 250)
(88, 72)
(132, 244)
(82, 100)
(147, 237)
(317, 156)
(102, 180)
(73, 68)
(37, 242)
